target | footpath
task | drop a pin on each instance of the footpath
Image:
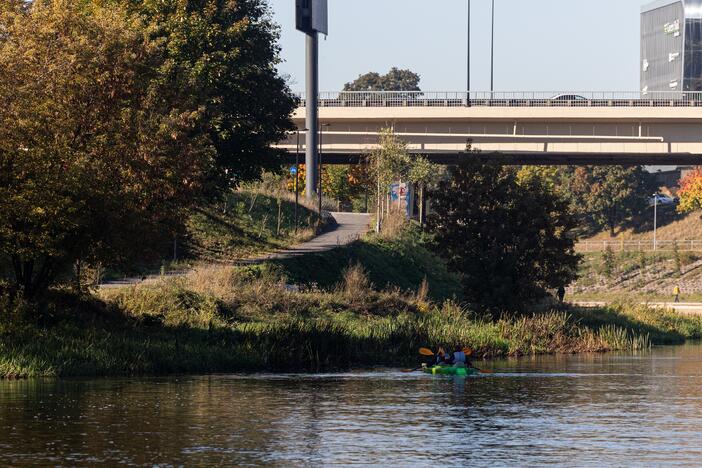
(685, 308)
(347, 228)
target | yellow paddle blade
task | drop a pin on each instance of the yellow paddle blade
(467, 351)
(426, 352)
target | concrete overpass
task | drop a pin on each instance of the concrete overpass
(515, 128)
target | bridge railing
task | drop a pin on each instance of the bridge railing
(507, 99)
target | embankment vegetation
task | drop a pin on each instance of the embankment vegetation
(226, 319)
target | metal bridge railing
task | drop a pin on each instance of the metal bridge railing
(507, 99)
(639, 246)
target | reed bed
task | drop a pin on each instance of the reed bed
(242, 320)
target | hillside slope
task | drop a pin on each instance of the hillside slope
(401, 261)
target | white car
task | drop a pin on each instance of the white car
(661, 200)
(568, 97)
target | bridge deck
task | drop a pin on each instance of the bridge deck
(665, 129)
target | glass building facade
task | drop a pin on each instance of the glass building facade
(671, 46)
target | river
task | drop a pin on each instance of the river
(613, 409)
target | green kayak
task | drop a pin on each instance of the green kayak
(450, 370)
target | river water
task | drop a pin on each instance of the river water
(616, 409)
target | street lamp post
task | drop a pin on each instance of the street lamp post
(655, 221)
(492, 52)
(468, 59)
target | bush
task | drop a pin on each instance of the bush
(609, 263)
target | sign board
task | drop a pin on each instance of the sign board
(312, 16)
(400, 196)
(293, 170)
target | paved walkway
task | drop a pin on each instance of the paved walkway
(349, 227)
(686, 308)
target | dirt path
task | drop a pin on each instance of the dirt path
(349, 227)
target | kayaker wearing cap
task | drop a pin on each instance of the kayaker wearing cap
(459, 358)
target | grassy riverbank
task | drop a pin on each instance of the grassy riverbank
(399, 258)
(230, 320)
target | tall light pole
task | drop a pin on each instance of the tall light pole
(655, 221)
(311, 17)
(468, 57)
(492, 52)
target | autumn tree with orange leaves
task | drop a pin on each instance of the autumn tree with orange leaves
(691, 191)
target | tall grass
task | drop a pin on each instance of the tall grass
(226, 319)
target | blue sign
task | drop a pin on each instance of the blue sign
(293, 170)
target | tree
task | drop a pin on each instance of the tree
(510, 241)
(422, 173)
(338, 183)
(394, 80)
(610, 195)
(691, 192)
(221, 58)
(97, 164)
(389, 162)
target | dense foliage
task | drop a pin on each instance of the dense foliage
(221, 58)
(116, 116)
(603, 197)
(93, 156)
(691, 192)
(511, 241)
(394, 80)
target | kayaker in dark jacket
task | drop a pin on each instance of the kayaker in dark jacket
(459, 358)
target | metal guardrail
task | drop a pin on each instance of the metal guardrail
(506, 99)
(639, 246)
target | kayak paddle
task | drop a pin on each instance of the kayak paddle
(426, 352)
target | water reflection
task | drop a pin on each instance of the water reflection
(614, 409)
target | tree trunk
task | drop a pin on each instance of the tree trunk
(422, 221)
(377, 209)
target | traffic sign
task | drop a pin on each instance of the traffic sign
(293, 170)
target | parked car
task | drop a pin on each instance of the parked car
(568, 97)
(661, 200)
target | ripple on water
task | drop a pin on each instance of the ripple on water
(619, 409)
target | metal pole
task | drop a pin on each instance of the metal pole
(297, 180)
(312, 119)
(319, 174)
(492, 53)
(468, 57)
(655, 222)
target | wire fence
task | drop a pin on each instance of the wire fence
(639, 246)
(507, 99)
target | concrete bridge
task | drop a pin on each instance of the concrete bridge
(516, 128)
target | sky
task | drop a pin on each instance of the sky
(540, 45)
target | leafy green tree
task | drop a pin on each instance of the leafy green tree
(423, 173)
(394, 80)
(221, 59)
(610, 195)
(510, 241)
(338, 185)
(96, 163)
(388, 163)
